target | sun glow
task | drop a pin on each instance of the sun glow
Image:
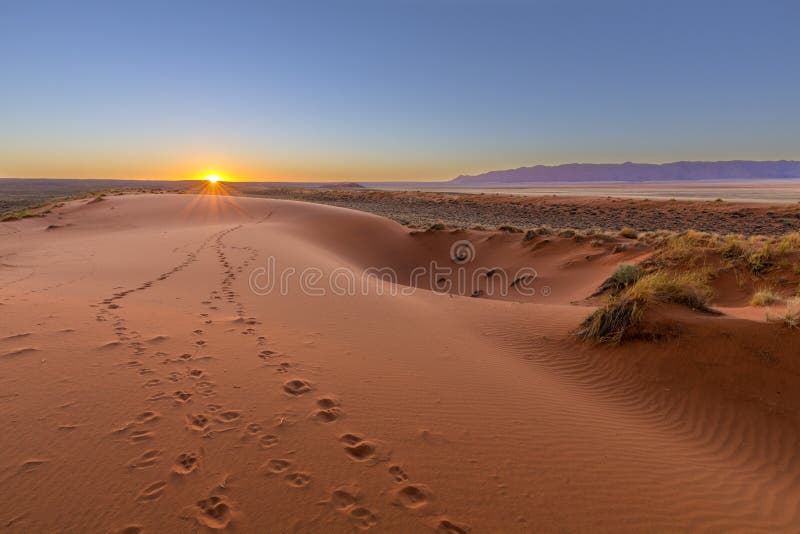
(213, 178)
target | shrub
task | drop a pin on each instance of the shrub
(566, 233)
(623, 276)
(790, 316)
(689, 289)
(629, 233)
(764, 297)
(610, 323)
(733, 249)
(509, 228)
(438, 225)
(760, 261)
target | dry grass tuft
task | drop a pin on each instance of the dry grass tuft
(612, 322)
(623, 276)
(629, 233)
(790, 316)
(764, 297)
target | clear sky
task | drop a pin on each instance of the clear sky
(390, 90)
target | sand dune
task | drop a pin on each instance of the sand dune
(145, 387)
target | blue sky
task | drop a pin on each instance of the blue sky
(390, 90)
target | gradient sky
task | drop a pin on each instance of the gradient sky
(390, 90)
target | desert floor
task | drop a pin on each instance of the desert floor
(145, 386)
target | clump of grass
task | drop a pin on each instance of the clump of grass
(610, 323)
(613, 321)
(530, 235)
(438, 225)
(623, 276)
(629, 233)
(20, 214)
(733, 248)
(760, 261)
(787, 243)
(790, 316)
(509, 228)
(683, 247)
(764, 297)
(566, 233)
(689, 289)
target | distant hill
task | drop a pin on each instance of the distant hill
(637, 172)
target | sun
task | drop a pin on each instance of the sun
(213, 178)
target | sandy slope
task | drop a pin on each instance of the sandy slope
(143, 384)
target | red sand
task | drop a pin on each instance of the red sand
(143, 385)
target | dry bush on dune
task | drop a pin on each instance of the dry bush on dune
(614, 320)
(681, 270)
(690, 289)
(790, 316)
(629, 233)
(623, 276)
(764, 297)
(610, 323)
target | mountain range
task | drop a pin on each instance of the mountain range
(637, 172)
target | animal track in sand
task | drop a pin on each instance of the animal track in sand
(213, 408)
(398, 473)
(197, 422)
(413, 496)
(181, 397)
(328, 411)
(363, 518)
(298, 479)
(32, 464)
(146, 459)
(344, 497)
(360, 449)
(228, 416)
(185, 463)
(448, 526)
(146, 417)
(138, 436)
(152, 492)
(268, 441)
(252, 429)
(130, 529)
(276, 466)
(214, 512)
(205, 388)
(328, 415)
(266, 354)
(152, 382)
(297, 387)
